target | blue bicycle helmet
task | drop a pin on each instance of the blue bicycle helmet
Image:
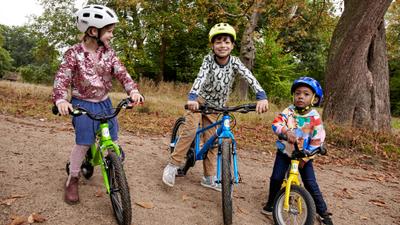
(313, 84)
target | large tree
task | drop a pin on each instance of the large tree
(357, 76)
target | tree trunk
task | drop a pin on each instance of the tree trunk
(163, 52)
(247, 49)
(357, 75)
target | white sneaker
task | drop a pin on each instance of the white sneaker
(169, 174)
(209, 182)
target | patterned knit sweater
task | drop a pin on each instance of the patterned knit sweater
(214, 82)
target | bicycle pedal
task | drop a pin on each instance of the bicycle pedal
(180, 173)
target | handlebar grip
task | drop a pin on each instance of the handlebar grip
(54, 110)
(323, 150)
(282, 137)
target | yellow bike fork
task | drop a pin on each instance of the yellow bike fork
(293, 178)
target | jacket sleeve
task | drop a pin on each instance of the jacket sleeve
(251, 80)
(279, 125)
(63, 77)
(201, 78)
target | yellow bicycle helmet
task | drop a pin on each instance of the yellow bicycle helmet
(221, 28)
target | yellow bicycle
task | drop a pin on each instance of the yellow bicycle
(293, 203)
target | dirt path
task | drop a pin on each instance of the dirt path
(32, 174)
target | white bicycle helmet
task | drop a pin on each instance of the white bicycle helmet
(97, 16)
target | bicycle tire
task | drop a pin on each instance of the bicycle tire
(175, 133)
(190, 155)
(119, 190)
(227, 181)
(305, 216)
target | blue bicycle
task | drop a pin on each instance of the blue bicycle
(226, 158)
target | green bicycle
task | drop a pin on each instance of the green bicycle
(109, 156)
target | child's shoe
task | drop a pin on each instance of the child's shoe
(209, 182)
(71, 195)
(169, 174)
(326, 218)
(267, 210)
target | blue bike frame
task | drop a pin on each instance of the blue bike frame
(223, 131)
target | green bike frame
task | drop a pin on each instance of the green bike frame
(99, 148)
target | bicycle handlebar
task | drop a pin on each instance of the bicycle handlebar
(300, 154)
(207, 109)
(123, 104)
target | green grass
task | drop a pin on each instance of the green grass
(396, 123)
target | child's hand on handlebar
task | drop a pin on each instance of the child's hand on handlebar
(291, 137)
(64, 108)
(192, 105)
(262, 106)
(136, 97)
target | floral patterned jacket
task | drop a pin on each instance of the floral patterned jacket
(89, 76)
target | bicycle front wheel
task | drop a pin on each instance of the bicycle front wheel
(119, 190)
(301, 207)
(227, 182)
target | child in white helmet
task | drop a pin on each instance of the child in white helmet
(88, 68)
(212, 86)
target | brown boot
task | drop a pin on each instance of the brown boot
(71, 195)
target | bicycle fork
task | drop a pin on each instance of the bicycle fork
(292, 179)
(99, 152)
(234, 161)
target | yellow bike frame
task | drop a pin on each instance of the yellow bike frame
(293, 178)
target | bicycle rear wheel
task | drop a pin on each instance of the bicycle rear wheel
(227, 183)
(119, 190)
(176, 135)
(301, 207)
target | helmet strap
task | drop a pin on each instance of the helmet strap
(97, 38)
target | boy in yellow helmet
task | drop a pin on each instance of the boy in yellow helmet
(212, 86)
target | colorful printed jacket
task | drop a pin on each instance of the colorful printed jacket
(214, 82)
(308, 129)
(89, 78)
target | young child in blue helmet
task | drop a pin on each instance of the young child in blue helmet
(302, 124)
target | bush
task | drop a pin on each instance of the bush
(42, 74)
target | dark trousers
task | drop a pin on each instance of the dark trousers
(281, 165)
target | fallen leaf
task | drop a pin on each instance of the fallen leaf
(99, 193)
(344, 193)
(146, 205)
(377, 202)
(364, 218)
(18, 220)
(34, 217)
(8, 201)
(185, 197)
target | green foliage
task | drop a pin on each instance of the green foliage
(393, 45)
(274, 69)
(5, 58)
(39, 74)
(19, 41)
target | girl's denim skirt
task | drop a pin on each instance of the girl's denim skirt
(85, 128)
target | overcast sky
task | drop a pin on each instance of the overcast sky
(16, 12)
